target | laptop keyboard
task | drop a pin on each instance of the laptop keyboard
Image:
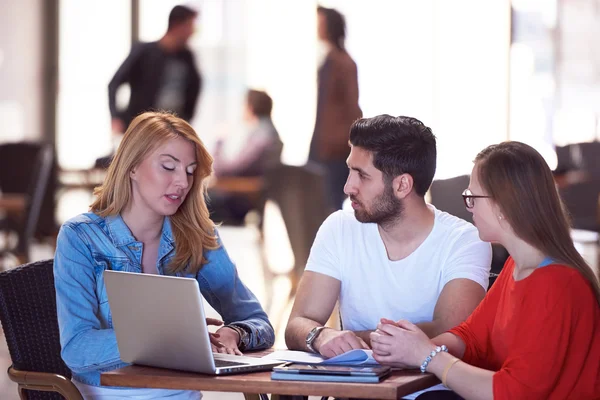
(224, 363)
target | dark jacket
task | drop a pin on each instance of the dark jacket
(337, 107)
(144, 70)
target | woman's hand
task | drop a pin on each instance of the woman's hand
(227, 342)
(216, 342)
(400, 344)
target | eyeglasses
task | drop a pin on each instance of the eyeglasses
(469, 198)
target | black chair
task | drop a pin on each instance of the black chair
(581, 201)
(589, 153)
(301, 196)
(28, 315)
(566, 159)
(446, 195)
(18, 165)
(492, 279)
(37, 183)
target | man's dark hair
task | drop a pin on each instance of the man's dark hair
(336, 26)
(260, 103)
(179, 15)
(400, 145)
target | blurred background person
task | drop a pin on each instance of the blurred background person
(337, 103)
(162, 75)
(261, 151)
(263, 146)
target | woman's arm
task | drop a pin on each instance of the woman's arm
(455, 344)
(244, 310)
(86, 346)
(468, 381)
(550, 333)
(236, 304)
(403, 344)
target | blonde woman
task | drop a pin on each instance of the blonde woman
(149, 217)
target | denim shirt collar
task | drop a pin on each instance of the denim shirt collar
(121, 235)
(119, 231)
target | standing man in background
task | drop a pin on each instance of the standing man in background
(337, 103)
(162, 75)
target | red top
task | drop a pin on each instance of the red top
(541, 334)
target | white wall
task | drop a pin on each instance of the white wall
(445, 63)
(21, 70)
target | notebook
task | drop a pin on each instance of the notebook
(352, 357)
(330, 373)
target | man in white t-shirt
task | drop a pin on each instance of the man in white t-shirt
(395, 256)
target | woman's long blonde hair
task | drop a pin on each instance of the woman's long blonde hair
(192, 227)
(520, 182)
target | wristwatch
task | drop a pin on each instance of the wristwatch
(244, 336)
(312, 336)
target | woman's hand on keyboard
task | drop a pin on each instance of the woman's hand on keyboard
(215, 341)
(228, 340)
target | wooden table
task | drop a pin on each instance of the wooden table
(399, 384)
(13, 203)
(251, 185)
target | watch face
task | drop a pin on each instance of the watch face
(313, 334)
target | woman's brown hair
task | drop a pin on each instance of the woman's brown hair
(192, 227)
(520, 182)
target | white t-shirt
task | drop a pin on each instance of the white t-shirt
(373, 287)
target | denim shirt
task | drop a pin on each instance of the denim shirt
(87, 245)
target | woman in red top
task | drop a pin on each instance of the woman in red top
(536, 335)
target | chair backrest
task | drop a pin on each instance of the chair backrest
(302, 199)
(24, 166)
(565, 160)
(16, 168)
(581, 201)
(29, 321)
(590, 158)
(446, 195)
(36, 191)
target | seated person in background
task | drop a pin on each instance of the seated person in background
(395, 255)
(261, 151)
(536, 333)
(149, 217)
(263, 146)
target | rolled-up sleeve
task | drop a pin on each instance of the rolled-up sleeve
(230, 297)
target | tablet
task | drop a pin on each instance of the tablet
(333, 370)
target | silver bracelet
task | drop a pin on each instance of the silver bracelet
(433, 353)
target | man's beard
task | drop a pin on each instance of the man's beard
(386, 208)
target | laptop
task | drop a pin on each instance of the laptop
(160, 322)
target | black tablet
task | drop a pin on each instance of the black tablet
(333, 370)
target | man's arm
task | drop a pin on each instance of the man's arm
(315, 300)
(457, 301)
(122, 75)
